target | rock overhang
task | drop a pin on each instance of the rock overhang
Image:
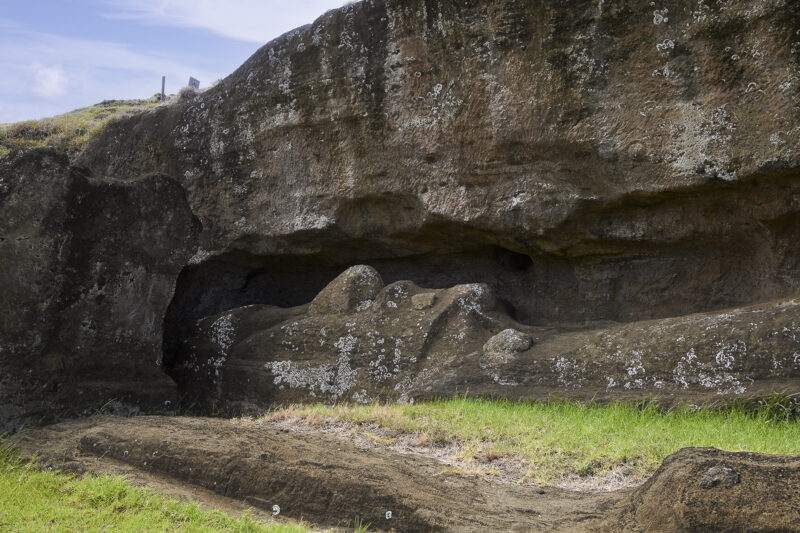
(589, 162)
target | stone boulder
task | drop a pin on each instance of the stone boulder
(506, 344)
(354, 290)
(703, 489)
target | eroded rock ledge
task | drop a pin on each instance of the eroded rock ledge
(87, 268)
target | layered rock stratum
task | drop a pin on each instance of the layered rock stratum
(619, 178)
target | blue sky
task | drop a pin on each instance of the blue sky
(58, 55)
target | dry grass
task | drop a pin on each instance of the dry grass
(71, 131)
(378, 439)
(489, 454)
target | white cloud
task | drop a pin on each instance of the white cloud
(49, 83)
(257, 21)
(28, 46)
(43, 74)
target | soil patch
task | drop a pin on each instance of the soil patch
(497, 468)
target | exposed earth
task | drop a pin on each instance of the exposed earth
(333, 481)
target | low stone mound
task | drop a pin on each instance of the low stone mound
(705, 489)
(354, 289)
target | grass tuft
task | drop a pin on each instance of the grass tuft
(778, 408)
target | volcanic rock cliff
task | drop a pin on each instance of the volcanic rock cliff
(592, 166)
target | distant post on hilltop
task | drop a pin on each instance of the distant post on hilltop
(163, 84)
(193, 83)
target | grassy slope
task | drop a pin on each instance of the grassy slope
(68, 132)
(569, 437)
(34, 500)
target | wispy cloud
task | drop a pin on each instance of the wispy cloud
(85, 53)
(7, 24)
(41, 72)
(49, 83)
(255, 21)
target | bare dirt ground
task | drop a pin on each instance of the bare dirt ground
(335, 481)
(508, 469)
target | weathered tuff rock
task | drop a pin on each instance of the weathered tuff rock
(589, 162)
(378, 345)
(353, 290)
(375, 345)
(703, 489)
(88, 269)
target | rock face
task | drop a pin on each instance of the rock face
(89, 267)
(588, 162)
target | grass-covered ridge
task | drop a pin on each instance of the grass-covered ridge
(71, 131)
(35, 500)
(571, 437)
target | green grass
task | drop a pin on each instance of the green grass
(571, 437)
(69, 132)
(35, 500)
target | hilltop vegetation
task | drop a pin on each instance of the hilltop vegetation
(71, 131)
